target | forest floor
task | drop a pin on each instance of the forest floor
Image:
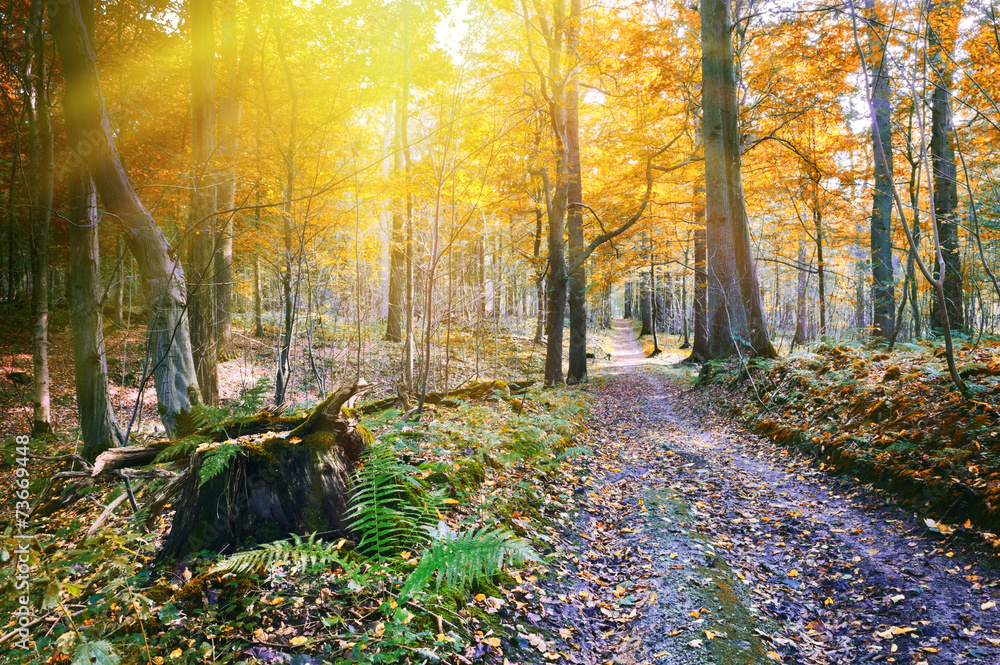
(731, 549)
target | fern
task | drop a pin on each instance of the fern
(180, 449)
(381, 511)
(216, 460)
(203, 415)
(298, 552)
(461, 559)
(254, 398)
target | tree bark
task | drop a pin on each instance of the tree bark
(292, 484)
(236, 70)
(645, 305)
(201, 241)
(800, 298)
(162, 275)
(699, 347)
(41, 177)
(577, 370)
(397, 255)
(945, 172)
(98, 425)
(883, 296)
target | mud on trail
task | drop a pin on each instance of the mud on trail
(698, 542)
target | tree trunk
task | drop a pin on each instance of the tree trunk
(162, 276)
(883, 296)
(945, 172)
(283, 371)
(41, 165)
(820, 270)
(800, 298)
(201, 241)
(295, 482)
(577, 370)
(258, 310)
(726, 316)
(236, 70)
(98, 425)
(397, 255)
(699, 348)
(645, 305)
(628, 300)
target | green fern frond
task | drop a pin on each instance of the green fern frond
(382, 512)
(461, 559)
(180, 449)
(217, 460)
(298, 552)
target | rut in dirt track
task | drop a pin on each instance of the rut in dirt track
(735, 550)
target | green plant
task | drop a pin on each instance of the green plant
(217, 460)
(303, 553)
(460, 559)
(388, 505)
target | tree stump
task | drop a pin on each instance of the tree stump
(273, 483)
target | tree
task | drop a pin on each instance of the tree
(735, 310)
(942, 28)
(41, 176)
(883, 296)
(235, 72)
(202, 239)
(99, 427)
(169, 339)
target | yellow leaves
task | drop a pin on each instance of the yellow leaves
(893, 631)
(176, 653)
(298, 640)
(793, 573)
(988, 605)
(774, 655)
(451, 502)
(493, 642)
(828, 601)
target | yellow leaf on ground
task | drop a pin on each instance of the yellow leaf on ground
(793, 573)
(298, 641)
(451, 501)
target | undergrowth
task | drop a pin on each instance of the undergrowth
(891, 419)
(442, 511)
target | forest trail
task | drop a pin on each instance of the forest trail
(731, 549)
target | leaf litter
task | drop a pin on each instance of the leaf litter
(696, 541)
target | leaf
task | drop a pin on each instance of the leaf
(493, 642)
(793, 573)
(988, 605)
(95, 653)
(52, 591)
(695, 644)
(298, 640)
(565, 633)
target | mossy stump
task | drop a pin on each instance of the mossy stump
(295, 481)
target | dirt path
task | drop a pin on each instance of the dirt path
(729, 549)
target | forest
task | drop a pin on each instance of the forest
(499, 331)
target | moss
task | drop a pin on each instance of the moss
(320, 442)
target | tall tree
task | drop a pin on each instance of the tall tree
(99, 427)
(942, 29)
(169, 339)
(201, 241)
(883, 295)
(577, 370)
(735, 310)
(41, 175)
(235, 72)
